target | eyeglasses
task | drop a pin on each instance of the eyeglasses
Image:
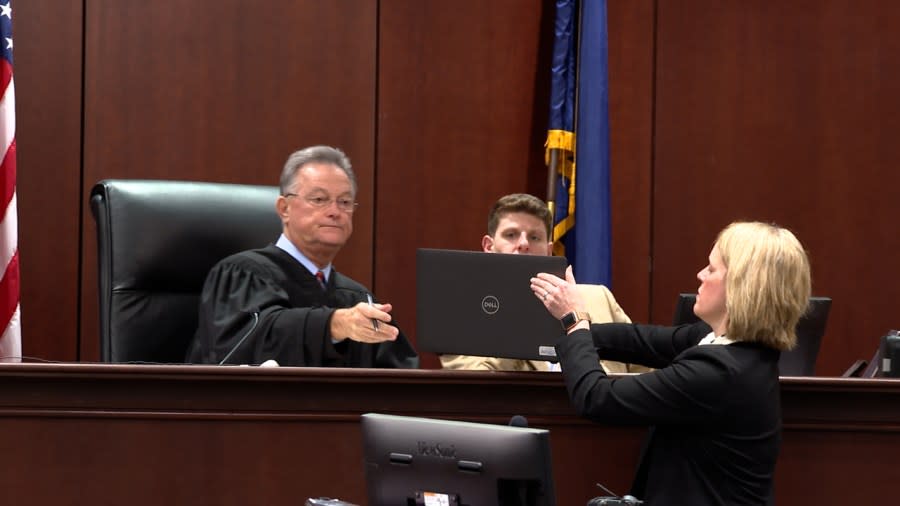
(345, 204)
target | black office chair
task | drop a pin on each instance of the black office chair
(801, 361)
(156, 241)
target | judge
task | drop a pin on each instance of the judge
(286, 302)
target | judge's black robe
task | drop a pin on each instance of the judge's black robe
(273, 300)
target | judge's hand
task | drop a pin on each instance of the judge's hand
(356, 323)
(558, 295)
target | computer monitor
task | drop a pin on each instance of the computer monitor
(801, 361)
(412, 461)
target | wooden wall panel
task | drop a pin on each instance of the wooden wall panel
(630, 28)
(463, 91)
(459, 125)
(223, 91)
(48, 69)
(772, 110)
(783, 112)
(116, 434)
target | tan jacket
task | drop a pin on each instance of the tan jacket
(603, 308)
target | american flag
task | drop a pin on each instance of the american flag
(11, 339)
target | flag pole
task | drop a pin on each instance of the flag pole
(551, 186)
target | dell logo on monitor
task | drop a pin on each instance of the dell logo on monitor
(490, 304)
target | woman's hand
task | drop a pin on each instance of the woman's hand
(558, 295)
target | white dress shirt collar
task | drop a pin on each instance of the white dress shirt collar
(285, 244)
(712, 338)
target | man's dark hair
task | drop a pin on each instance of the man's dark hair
(518, 203)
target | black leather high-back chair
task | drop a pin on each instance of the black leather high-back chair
(156, 241)
(801, 361)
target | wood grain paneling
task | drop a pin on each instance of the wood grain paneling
(630, 29)
(223, 91)
(458, 83)
(463, 90)
(784, 112)
(207, 435)
(48, 139)
(779, 111)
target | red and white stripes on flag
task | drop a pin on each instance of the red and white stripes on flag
(11, 339)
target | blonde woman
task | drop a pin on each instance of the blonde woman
(713, 401)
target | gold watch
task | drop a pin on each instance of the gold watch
(569, 320)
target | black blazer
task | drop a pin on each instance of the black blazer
(715, 409)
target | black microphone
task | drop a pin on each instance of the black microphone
(518, 421)
(243, 338)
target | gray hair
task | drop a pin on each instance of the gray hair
(315, 154)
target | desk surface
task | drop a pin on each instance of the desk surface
(136, 434)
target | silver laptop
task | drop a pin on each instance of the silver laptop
(474, 303)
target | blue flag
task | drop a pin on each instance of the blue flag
(578, 140)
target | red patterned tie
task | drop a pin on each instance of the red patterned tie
(321, 277)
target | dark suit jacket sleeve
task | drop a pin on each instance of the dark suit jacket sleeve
(650, 345)
(690, 389)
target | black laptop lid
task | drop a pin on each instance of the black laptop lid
(474, 303)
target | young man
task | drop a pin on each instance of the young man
(520, 223)
(286, 302)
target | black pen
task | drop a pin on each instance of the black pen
(374, 321)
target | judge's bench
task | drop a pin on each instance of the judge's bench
(150, 435)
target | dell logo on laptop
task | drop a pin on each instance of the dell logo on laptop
(490, 304)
